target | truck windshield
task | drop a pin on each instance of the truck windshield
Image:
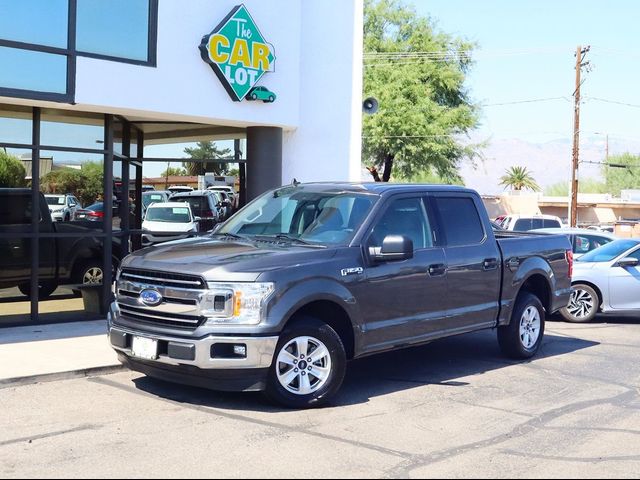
(321, 217)
(609, 252)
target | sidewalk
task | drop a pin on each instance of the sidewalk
(53, 352)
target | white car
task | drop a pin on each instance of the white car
(63, 208)
(180, 189)
(605, 280)
(526, 223)
(582, 239)
(165, 222)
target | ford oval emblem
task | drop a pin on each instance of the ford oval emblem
(151, 298)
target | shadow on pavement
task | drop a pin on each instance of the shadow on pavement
(444, 362)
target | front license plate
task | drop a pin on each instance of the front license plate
(145, 348)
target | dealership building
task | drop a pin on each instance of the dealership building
(103, 79)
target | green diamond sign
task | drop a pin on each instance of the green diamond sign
(239, 55)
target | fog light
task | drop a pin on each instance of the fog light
(240, 350)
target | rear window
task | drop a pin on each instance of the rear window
(199, 205)
(526, 224)
(460, 220)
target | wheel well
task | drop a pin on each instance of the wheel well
(539, 286)
(597, 290)
(333, 315)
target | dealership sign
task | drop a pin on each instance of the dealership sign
(238, 53)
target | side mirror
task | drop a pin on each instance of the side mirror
(628, 262)
(197, 219)
(394, 248)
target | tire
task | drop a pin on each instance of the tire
(287, 381)
(44, 290)
(521, 339)
(89, 272)
(271, 99)
(584, 304)
(254, 96)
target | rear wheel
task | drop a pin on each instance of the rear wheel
(583, 306)
(308, 367)
(521, 339)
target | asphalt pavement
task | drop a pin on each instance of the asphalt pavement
(454, 408)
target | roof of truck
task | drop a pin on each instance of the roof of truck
(382, 187)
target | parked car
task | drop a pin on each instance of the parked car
(93, 213)
(605, 280)
(602, 228)
(63, 208)
(148, 188)
(307, 277)
(583, 240)
(204, 204)
(526, 223)
(180, 189)
(63, 261)
(165, 222)
(261, 93)
(151, 197)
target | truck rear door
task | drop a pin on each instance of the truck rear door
(473, 259)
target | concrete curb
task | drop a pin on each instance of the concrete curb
(58, 376)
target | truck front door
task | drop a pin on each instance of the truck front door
(402, 301)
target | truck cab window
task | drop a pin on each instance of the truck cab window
(460, 221)
(406, 216)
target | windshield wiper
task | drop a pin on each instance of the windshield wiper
(229, 235)
(284, 236)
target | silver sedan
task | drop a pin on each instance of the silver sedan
(606, 280)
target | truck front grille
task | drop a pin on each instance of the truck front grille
(163, 279)
(181, 295)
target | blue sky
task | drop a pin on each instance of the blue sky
(526, 51)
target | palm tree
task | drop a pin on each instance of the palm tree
(519, 178)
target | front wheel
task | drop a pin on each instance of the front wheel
(45, 289)
(308, 367)
(521, 339)
(583, 306)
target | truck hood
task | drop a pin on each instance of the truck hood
(225, 260)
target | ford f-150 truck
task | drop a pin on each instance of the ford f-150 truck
(309, 276)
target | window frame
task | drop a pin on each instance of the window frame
(72, 53)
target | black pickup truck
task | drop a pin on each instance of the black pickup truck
(309, 276)
(68, 260)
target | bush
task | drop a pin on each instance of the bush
(85, 184)
(12, 171)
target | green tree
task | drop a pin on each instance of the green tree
(12, 171)
(518, 179)
(417, 75)
(431, 178)
(622, 173)
(86, 184)
(206, 151)
(588, 185)
(174, 171)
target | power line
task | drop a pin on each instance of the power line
(517, 102)
(604, 100)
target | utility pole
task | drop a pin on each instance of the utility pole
(573, 215)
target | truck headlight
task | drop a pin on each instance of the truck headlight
(235, 303)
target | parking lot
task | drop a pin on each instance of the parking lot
(454, 408)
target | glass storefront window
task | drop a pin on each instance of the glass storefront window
(16, 124)
(115, 28)
(30, 70)
(41, 22)
(61, 128)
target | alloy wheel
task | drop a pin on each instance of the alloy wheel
(530, 325)
(92, 276)
(581, 304)
(303, 366)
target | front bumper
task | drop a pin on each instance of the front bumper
(213, 352)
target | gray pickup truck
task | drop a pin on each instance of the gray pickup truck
(309, 276)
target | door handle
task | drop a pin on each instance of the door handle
(437, 270)
(490, 264)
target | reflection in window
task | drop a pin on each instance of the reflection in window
(70, 129)
(116, 28)
(15, 124)
(38, 71)
(42, 22)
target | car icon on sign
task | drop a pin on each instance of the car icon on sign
(261, 93)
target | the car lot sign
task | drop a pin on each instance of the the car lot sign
(238, 53)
